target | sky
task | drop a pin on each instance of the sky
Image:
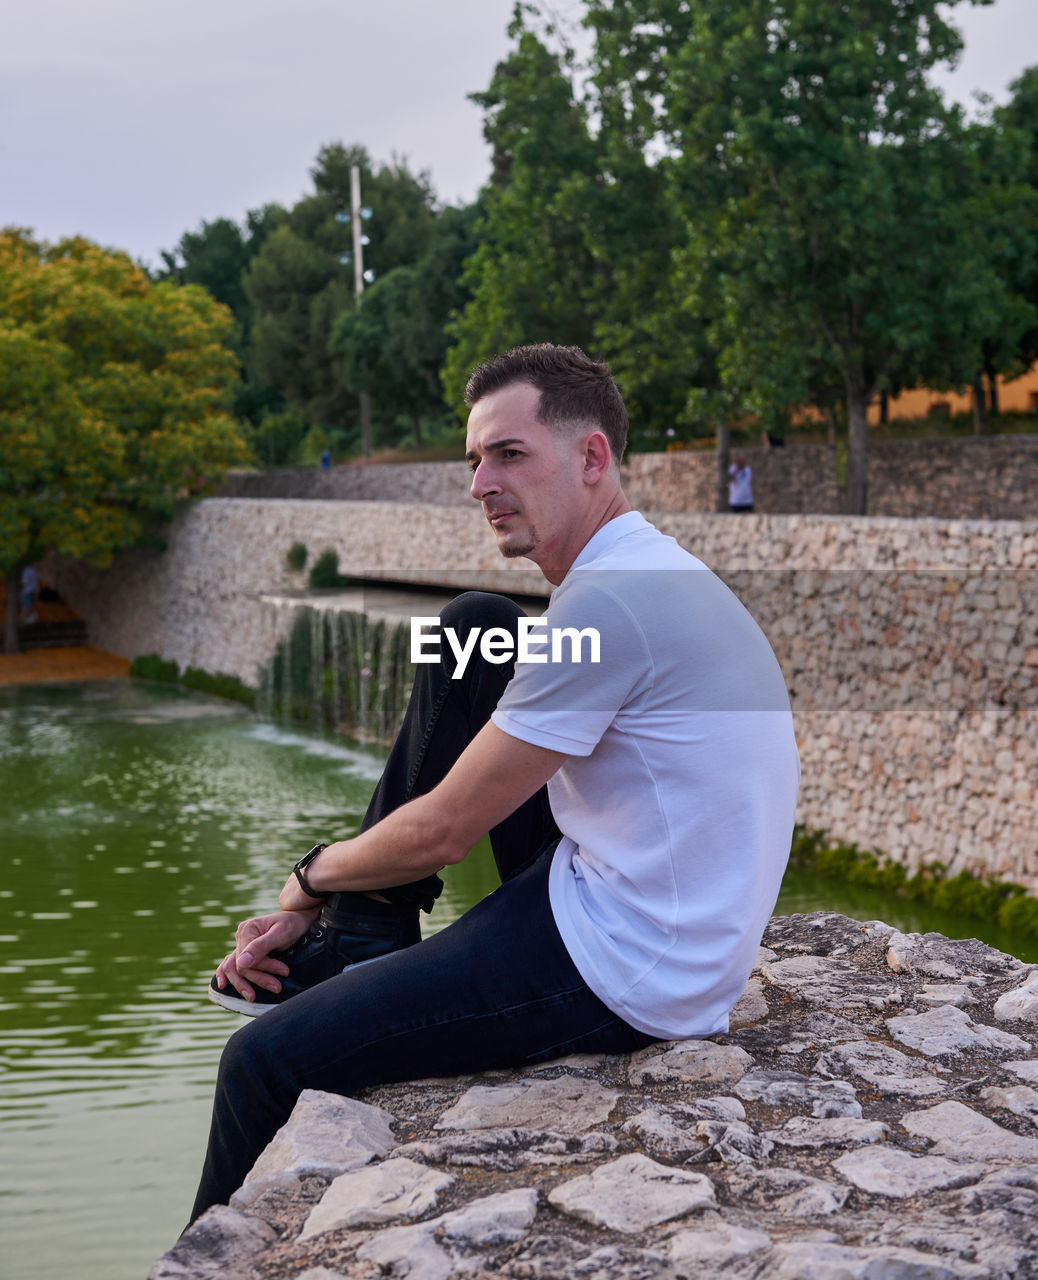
(131, 122)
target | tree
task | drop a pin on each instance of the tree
(531, 274)
(217, 256)
(113, 402)
(394, 343)
(830, 195)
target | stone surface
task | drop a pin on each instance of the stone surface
(786, 1191)
(940, 957)
(824, 1097)
(886, 1171)
(701, 1252)
(376, 1194)
(699, 1061)
(836, 1131)
(885, 1068)
(567, 1105)
(835, 1262)
(325, 1134)
(813, 1143)
(958, 1130)
(634, 1193)
(831, 984)
(222, 1243)
(950, 1030)
(435, 1249)
(1020, 1004)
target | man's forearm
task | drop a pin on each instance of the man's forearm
(410, 843)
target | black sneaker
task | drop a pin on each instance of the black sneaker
(354, 930)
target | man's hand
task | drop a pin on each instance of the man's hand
(250, 964)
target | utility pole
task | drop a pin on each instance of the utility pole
(358, 285)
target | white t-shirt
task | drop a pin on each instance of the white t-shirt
(740, 486)
(677, 801)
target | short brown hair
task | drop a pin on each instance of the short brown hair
(574, 388)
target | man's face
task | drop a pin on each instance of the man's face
(527, 477)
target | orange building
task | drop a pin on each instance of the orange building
(1020, 395)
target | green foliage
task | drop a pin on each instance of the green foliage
(1007, 905)
(218, 685)
(295, 557)
(394, 343)
(843, 226)
(325, 572)
(149, 666)
(113, 399)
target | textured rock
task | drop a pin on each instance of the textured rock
(700, 1252)
(958, 1130)
(885, 1068)
(566, 1105)
(1019, 1004)
(824, 1097)
(379, 1193)
(940, 957)
(836, 1131)
(885, 1171)
(831, 984)
(507, 1149)
(221, 1243)
(325, 1134)
(835, 1262)
(787, 1192)
(804, 1146)
(699, 1061)
(435, 1250)
(949, 1030)
(634, 1193)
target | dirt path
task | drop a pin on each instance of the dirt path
(44, 666)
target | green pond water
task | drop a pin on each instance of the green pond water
(138, 824)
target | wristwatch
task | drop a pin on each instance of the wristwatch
(302, 865)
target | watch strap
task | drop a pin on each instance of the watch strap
(299, 869)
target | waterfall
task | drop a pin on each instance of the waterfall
(338, 669)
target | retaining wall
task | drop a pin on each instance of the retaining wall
(910, 647)
(987, 478)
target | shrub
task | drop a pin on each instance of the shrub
(295, 557)
(325, 572)
(149, 666)
(219, 685)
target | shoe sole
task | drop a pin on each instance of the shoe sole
(237, 1004)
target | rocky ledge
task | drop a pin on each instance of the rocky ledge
(872, 1115)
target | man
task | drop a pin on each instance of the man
(640, 806)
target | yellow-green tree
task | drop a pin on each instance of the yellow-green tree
(113, 402)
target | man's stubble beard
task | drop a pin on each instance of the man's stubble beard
(512, 550)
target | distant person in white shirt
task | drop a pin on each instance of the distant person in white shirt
(30, 587)
(740, 485)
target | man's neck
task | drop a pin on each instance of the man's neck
(557, 570)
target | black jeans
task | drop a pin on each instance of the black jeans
(495, 989)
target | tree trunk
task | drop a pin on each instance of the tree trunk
(11, 611)
(884, 407)
(724, 453)
(365, 425)
(416, 428)
(857, 449)
(979, 422)
(993, 393)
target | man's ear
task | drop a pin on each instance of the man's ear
(597, 457)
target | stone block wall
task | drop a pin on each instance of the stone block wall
(986, 478)
(910, 647)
